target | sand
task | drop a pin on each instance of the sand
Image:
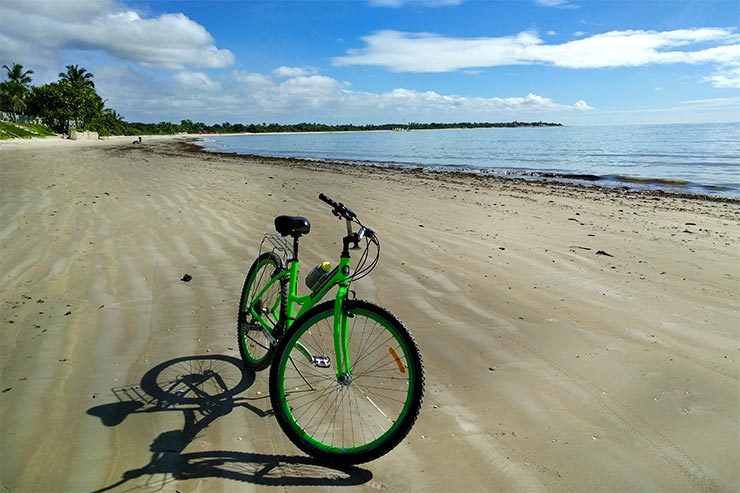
(550, 366)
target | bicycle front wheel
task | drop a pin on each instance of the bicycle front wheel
(254, 345)
(356, 417)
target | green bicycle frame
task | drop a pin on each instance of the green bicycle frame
(339, 278)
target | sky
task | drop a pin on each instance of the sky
(578, 62)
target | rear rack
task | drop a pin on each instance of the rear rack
(279, 245)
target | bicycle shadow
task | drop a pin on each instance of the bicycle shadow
(204, 388)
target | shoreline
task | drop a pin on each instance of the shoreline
(652, 186)
(422, 170)
(109, 140)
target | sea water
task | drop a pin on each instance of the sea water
(685, 158)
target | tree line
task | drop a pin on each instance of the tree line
(320, 127)
(73, 101)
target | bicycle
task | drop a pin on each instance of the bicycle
(347, 379)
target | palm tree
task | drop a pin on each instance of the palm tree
(13, 92)
(113, 115)
(112, 122)
(18, 75)
(77, 76)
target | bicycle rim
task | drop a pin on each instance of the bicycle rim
(254, 342)
(355, 418)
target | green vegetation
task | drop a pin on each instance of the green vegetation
(72, 101)
(78, 77)
(11, 130)
(187, 126)
(14, 90)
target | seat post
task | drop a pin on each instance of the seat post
(295, 247)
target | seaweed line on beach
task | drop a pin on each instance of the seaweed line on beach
(481, 178)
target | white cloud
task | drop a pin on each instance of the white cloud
(726, 77)
(424, 3)
(561, 4)
(551, 33)
(38, 31)
(195, 81)
(578, 34)
(294, 71)
(248, 97)
(252, 78)
(581, 105)
(425, 52)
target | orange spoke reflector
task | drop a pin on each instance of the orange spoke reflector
(398, 360)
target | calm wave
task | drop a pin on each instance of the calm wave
(687, 158)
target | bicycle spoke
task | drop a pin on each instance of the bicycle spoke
(310, 403)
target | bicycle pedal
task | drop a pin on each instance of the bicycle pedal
(252, 327)
(321, 361)
(269, 336)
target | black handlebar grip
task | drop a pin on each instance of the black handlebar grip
(328, 200)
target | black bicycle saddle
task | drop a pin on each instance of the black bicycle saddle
(292, 225)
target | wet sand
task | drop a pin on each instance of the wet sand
(574, 339)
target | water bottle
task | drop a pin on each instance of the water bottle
(313, 279)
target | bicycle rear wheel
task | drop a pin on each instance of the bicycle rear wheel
(254, 346)
(353, 420)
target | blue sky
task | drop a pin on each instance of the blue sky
(371, 61)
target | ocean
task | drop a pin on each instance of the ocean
(684, 158)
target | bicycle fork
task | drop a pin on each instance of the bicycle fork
(341, 342)
(341, 337)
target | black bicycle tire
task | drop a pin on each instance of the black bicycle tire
(401, 431)
(267, 359)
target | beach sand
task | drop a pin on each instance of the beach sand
(549, 366)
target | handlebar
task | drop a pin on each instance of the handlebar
(328, 200)
(352, 240)
(338, 209)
